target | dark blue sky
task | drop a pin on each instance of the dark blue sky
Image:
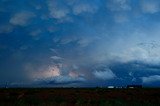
(79, 42)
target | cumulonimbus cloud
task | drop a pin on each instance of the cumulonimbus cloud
(105, 74)
(151, 79)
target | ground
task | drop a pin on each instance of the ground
(79, 97)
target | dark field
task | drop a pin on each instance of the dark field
(79, 97)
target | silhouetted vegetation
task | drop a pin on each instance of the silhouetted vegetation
(79, 97)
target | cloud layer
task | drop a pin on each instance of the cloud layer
(151, 79)
(21, 18)
(104, 75)
(80, 41)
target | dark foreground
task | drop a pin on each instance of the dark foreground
(79, 97)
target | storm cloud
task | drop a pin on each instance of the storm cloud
(79, 42)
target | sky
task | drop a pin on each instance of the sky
(79, 43)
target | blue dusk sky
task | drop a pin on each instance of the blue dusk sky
(79, 43)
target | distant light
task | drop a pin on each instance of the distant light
(110, 86)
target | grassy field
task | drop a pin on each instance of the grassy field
(79, 97)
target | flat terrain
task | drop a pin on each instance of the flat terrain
(79, 97)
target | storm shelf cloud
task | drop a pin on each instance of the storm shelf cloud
(151, 79)
(80, 42)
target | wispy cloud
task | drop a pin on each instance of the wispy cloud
(64, 10)
(35, 32)
(7, 28)
(58, 10)
(150, 6)
(22, 18)
(119, 5)
(121, 18)
(81, 6)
